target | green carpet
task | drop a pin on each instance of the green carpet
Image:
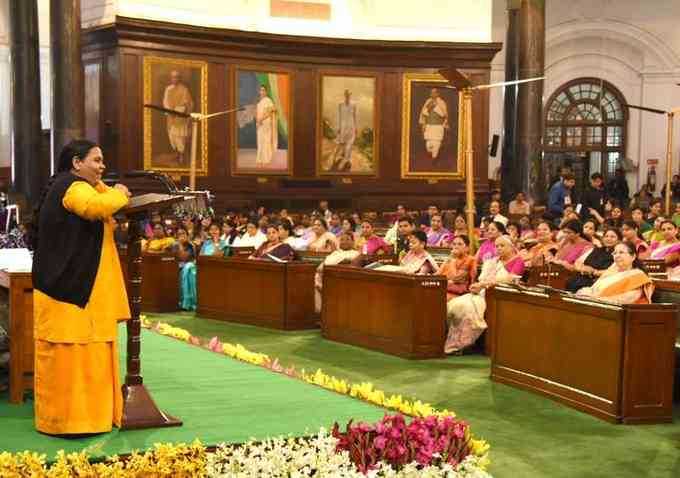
(218, 398)
(530, 436)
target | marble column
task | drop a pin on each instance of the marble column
(530, 100)
(511, 179)
(25, 101)
(68, 103)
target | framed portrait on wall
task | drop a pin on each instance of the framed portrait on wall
(431, 129)
(347, 124)
(179, 85)
(263, 128)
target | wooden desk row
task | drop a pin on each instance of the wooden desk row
(615, 362)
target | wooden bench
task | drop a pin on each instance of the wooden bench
(391, 312)
(19, 287)
(256, 292)
(160, 281)
(615, 362)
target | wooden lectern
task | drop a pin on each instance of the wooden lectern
(139, 409)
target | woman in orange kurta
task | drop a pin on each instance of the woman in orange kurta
(79, 297)
(460, 268)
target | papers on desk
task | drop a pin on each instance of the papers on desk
(16, 260)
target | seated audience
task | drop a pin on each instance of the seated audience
(159, 242)
(487, 250)
(655, 234)
(284, 217)
(545, 248)
(519, 205)
(186, 261)
(406, 226)
(322, 240)
(573, 245)
(654, 211)
(393, 232)
(642, 199)
(615, 218)
(437, 234)
(368, 243)
(495, 213)
(418, 260)
(303, 230)
(625, 282)
(348, 225)
(286, 235)
(465, 314)
(214, 246)
(229, 232)
(631, 233)
(253, 237)
(638, 217)
(589, 233)
(668, 249)
(676, 215)
(594, 262)
(460, 228)
(346, 254)
(526, 231)
(512, 230)
(262, 223)
(356, 218)
(335, 225)
(459, 268)
(274, 247)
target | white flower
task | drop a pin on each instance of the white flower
(316, 456)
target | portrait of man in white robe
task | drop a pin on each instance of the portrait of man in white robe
(177, 97)
(434, 122)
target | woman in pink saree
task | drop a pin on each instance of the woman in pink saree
(573, 245)
(418, 260)
(368, 243)
(465, 314)
(668, 249)
(487, 250)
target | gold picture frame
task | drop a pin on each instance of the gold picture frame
(351, 80)
(163, 141)
(241, 96)
(417, 160)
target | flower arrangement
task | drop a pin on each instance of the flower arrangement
(322, 456)
(430, 442)
(165, 460)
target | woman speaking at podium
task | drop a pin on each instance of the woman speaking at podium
(78, 297)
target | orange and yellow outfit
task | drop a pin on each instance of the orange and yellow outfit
(77, 382)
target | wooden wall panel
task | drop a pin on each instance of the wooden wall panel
(121, 48)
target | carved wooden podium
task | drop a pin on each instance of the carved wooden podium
(139, 409)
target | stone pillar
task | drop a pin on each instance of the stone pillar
(530, 99)
(25, 101)
(511, 181)
(68, 104)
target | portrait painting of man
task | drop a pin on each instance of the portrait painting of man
(177, 85)
(430, 128)
(263, 137)
(347, 125)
